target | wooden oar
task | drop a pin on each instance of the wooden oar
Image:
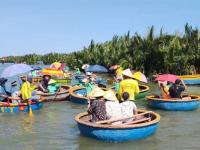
(121, 119)
(56, 93)
(132, 122)
(30, 112)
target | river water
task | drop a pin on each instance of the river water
(53, 128)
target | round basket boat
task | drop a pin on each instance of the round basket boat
(118, 133)
(174, 104)
(58, 80)
(77, 94)
(191, 79)
(144, 89)
(60, 96)
(20, 107)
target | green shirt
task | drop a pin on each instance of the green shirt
(89, 87)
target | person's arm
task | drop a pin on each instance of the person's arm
(134, 109)
(41, 88)
(137, 90)
(91, 108)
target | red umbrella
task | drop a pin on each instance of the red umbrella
(167, 77)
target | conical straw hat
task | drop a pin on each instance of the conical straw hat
(96, 92)
(110, 95)
(127, 73)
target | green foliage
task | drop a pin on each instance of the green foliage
(165, 53)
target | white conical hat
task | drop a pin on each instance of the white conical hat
(127, 73)
(110, 95)
(96, 92)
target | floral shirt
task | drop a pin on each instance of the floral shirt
(97, 110)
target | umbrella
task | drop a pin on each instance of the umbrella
(36, 67)
(96, 68)
(114, 67)
(52, 72)
(167, 77)
(15, 69)
(56, 65)
(140, 76)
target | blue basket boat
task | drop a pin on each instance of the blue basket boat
(19, 107)
(174, 104)
(118, 133)
(77, 94)
(191, 79)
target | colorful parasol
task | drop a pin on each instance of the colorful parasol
(140, 76)
(56, 65)
(52, 72)
(167, 77)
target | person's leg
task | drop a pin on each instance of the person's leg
(35, 98)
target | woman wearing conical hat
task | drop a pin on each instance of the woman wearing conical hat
(128, 85)
(113, 109)
(96, 106)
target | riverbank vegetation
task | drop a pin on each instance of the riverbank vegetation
(164, 53)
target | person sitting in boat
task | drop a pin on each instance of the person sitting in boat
(128, 85)
(28, 89)
(116, 84)
(113, 110)
(3, 91)
(88, 84)
(7, 89)
(43, 86)
(175, 91)
(77, 71)
(164, 91)
(128, 107)
(97, 107)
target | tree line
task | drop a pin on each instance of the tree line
(163, 53)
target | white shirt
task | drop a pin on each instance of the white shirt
(113, 109)
(127, 108)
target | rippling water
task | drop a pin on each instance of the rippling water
(53, 128)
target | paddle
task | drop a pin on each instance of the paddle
(57, 92)
(30, 108)
(121, 119)
(132, 122)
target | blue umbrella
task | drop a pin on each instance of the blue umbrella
(36, 67)
(15, 69)
(96, 68)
